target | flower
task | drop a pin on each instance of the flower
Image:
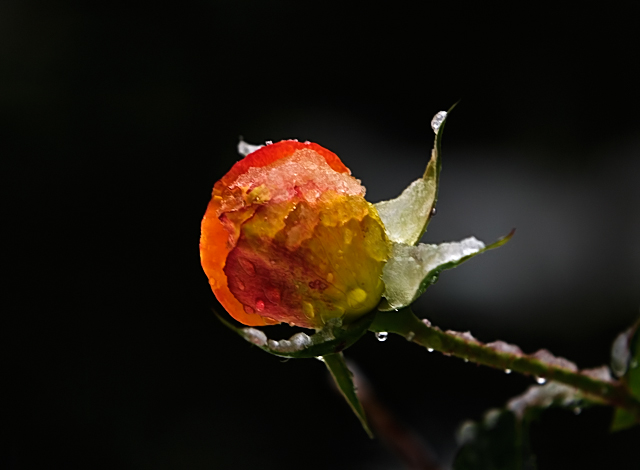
(288, 237)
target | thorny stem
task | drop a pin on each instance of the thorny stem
(405, 323)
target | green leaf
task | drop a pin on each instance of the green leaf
(344, 380)
(622, 419)
(407, 216)
(499, 442)
(333, 338)
(625, 360)
(411, 269)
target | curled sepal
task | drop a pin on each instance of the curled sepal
(332, 338)
(411, 269)
(407, 216)
(625, 363)
(344, 381)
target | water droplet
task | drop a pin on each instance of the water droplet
(330, 277)
(577, 410)
(410, 336)
(436, 122)
(466, 360)
(320, 358)
(249, 310)
(241, 285)
(356, 297)
(433, 211)
(259, 305)
(430, 349)
(269, 142)
(273, 295)
(541, 380)
(308, 310)
(507, 371)
(247, 266)
(382, 335)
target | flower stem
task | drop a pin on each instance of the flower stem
(405, 323)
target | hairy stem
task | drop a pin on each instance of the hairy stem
(405, 323)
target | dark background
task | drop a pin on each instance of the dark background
(116, 121)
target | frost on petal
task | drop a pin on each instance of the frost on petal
(305, 174)
(412, 268)
(545, 356)
(405, 217)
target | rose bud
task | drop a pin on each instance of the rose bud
(288, 237)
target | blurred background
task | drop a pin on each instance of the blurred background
(115, 122)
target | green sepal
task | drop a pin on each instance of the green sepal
(407, 216)
(344, 381)
(332, 338)
(405, 277)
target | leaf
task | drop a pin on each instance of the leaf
(411, 269)
(407, 216)
(499, 442)
(333, 338)
(344, 381)
(625, 360)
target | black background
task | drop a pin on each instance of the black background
(116, 121)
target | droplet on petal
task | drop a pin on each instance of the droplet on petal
(259, 305)
(247, 266)
(308, 310)
(356, 297)
(273, 295)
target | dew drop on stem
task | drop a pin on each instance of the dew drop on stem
(430, 349)
(507, 371)
(541, 380)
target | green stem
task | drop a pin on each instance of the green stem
(405, 323)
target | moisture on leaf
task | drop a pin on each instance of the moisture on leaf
(407, 216)
(333, 338)
(411, 269)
